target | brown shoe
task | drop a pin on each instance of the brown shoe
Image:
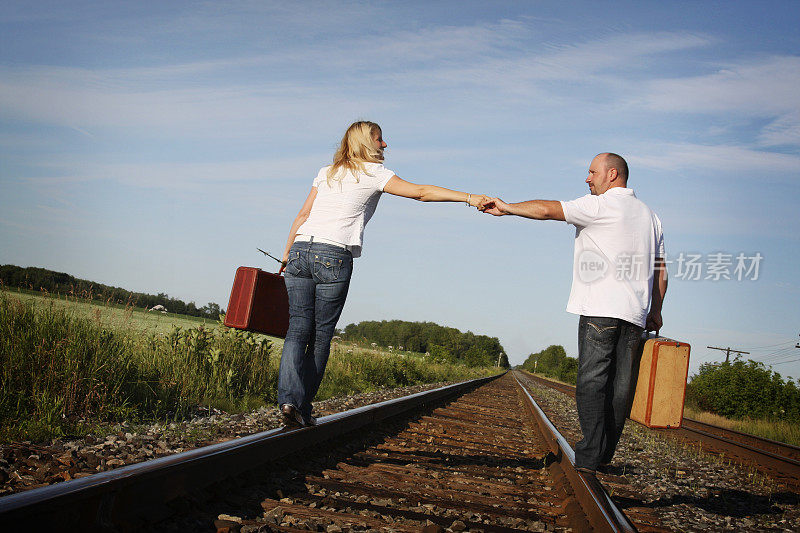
(291, 416)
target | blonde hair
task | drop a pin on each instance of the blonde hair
(357, 147)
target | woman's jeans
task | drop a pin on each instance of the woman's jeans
(317, 279)
(608, 353)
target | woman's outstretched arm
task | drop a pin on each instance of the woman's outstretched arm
(301, 217)
(430, 193)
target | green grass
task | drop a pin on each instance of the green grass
(781, 431)
(121, 317)
(67, 366)
(111, 314)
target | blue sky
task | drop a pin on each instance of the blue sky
(155, 145)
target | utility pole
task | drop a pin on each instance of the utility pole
(727, 351)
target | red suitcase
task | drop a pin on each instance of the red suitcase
(258, 303)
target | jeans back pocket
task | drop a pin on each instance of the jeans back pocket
(327, 268)
(602, 332)
(293, 263)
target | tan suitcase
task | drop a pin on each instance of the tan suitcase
(661, 386)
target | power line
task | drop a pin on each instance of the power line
(780, 353)
(778, 361)
(788, 353)
(727, 351)
(771, 345)
(790, 361)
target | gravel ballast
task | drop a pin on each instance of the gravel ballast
(27, 465)
(682, 487)
(655, 479)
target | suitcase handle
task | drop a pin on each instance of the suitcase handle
(273, 257)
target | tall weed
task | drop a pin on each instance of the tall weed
(59, 372)
(63, 371)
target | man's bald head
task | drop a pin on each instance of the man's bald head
(613, 160)
(607, 171)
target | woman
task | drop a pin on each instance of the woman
(325, 237)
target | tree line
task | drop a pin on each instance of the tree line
(41, 279)
(442, 343)
(553, 362)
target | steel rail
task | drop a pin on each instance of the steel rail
(776, 447)
(773, 447)
(784, 467)
(771, 455)
(120, 496)
(600, 509)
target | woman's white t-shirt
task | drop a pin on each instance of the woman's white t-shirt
(342, 209)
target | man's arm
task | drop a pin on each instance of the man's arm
(654, 321)
(535, 209)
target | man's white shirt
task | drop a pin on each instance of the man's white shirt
(617, 239)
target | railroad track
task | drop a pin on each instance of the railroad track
(473, 456)
(778, 460)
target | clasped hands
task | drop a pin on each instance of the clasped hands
(490, 205)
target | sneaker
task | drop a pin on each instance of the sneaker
(310, 420)
(291, 416)
(585, 470)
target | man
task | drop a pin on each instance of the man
(618, 275)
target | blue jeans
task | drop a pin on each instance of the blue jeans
(317, 280)
(608, 351)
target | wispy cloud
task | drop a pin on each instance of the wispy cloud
(765, 88)
(755, 87)
(528, 71)
(184, 97)
(770, 166)
(223, 111)
(619, 53)
(173, 175)
(783, 131)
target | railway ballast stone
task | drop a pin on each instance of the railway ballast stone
(26, 465)
(686, 488)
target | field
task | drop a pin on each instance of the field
(113, 315)
(68, 366)
(780, 431)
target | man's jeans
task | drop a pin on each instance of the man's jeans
(317, 279)
(608, 351)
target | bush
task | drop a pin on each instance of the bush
(741, 389)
